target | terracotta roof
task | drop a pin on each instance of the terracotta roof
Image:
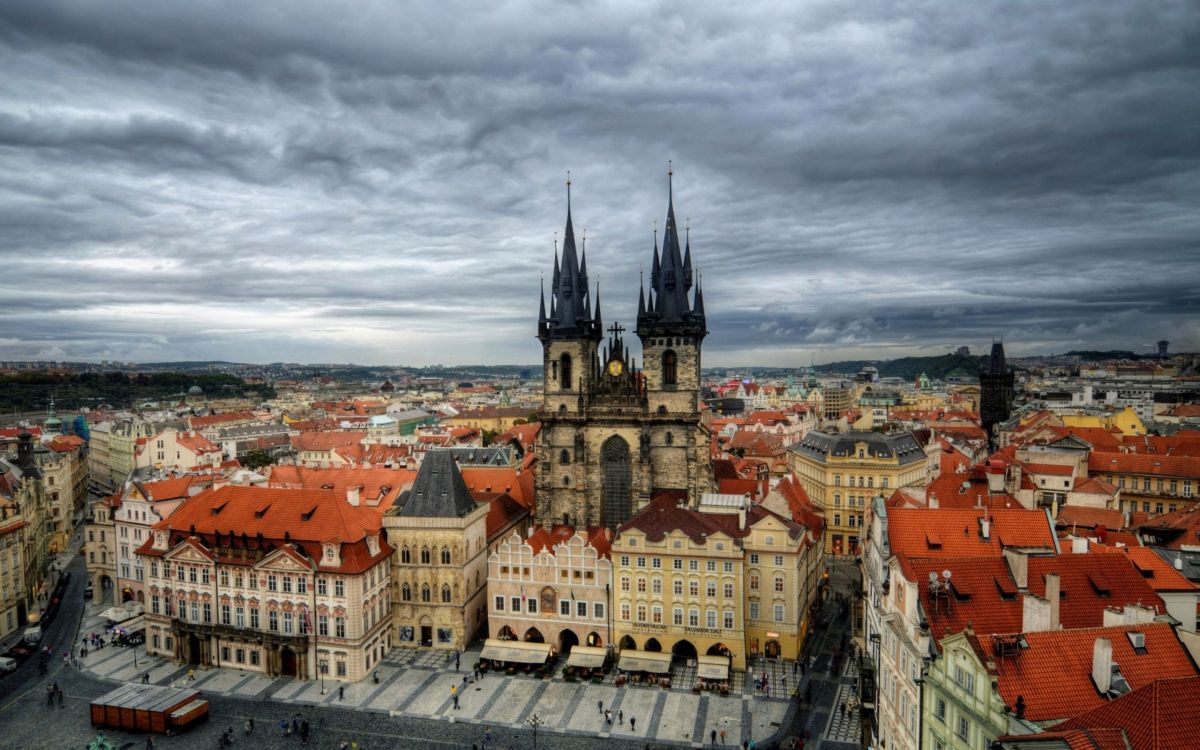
(1183, 443)
(1176, 529)
(66, 443)
(197, 443)
(1144, 463)
(525, 434)
(304, 518)
(503, 512)
(542, 539)
(956, 533)
(966, 491)
(199, 423)
(1157, 572)
(1094, 485)
(1097, 437)
(516, 482)
(664, 515)
(1085, 516)
(378, 487)
(982, 594)
(1054, 671)
(1091, 582)
(173, 489)
(1163, 715)
(324, 441)
(1054, 469)
(1072, 739)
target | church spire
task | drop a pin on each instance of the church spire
(598, 323)
(671, 306)
(641, 295)
(542, 308)
(570, 303)
(698, 307)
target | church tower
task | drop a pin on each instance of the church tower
(614, 436)
(995, 392)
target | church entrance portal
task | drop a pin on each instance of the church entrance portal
(616, 498)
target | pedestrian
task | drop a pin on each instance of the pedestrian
(149, 742)
(60, 699)
(842, 708)
(249, 727)
(621, 717)
(456, 702)
(745, 745)
(456, 661)
(722, 736)
(487, 736)
(341, 692)
(600, 706)
(608, 716)
(376, 675)
(191, 675)
(632, 721)
(284, 727)
(712, 736)
(296, 723)
(304, 732)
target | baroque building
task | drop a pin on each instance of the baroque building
(615, 435)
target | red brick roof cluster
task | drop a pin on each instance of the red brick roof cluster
(1053, 670)
(1088, 583)
(1163, 715)
(324, 441)
(944, 532)
(212, 420)
(1151, 464)
(379, 488)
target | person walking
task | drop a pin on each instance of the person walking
(304, 732)
(600, 706)
(149, 742)
(632, 722)
(621, 717)
(456, 661)
(712, 736)
(722, 735)
(341, 692)
(608, 716)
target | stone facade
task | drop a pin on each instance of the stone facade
(614, 436)
(99, 546)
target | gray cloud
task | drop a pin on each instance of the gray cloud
(285, 181)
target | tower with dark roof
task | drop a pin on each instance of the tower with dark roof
(995, 391)
(613, 436)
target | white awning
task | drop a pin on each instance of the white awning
(712, 667)
(515, 652)
(586, 656)
(645, 661)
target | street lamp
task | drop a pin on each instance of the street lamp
(323, 667)
(535, 721)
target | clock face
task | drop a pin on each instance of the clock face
(615, 367)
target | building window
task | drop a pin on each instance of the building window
(779, 584)
(754, 558)
(339, 587)
(939, 710)
(226, 614)
(254, 618)
(728, 566)
(694, 618)
(426, 594)
(728, 591)
(406, 594)
(624, 561)
(641, 612)
(339, 627)
(515, 604)
(710, 589)
(754, 581)
(240, 617)
(598, 610)
(564, 607)
(693, 588)
(224, 577)
(729, 619)
(656, 563)
(445, 555)
(710, 618)
(425, 557)
(273, 621)
(677, 616)
(753, 610)
(656, 586)
(625, 611)
(580, 609)
(208, 613)
(779, 610)
(964, 728)
(288, 623)
(287, 584)
(669, 368)
(405, 555)
(301, 585)
(446, 593)
(624, 583)
(693, 565)
(677, 564)
(564, 369)
(272, 582)
(677, 586)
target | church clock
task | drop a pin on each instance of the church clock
(616, 367)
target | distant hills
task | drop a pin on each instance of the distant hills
(910, 368)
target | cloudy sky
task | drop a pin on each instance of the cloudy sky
(378, 183)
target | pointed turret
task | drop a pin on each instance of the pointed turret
(598, 322)
(668, 308)
(570, 304)
(698, 307)
(641, 297)
(542, 310)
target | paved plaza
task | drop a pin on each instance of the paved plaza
(418, 684)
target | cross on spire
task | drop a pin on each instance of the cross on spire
(616, 329)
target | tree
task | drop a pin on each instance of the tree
(256, 459)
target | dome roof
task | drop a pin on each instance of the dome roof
(381, 420)
(195, 390)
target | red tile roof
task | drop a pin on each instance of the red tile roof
(324, 441)
(1163, 715)
(1176, 529)
(1144, 463)
(197, 443)
(1053, 469)
(1094, 485)
(1087, 517)
(958, 531)
(1156, 571)
(1089, 583)
(516, 482)
(1074, 739)
(982, 594)
(200, 423)
(1054, 672)
(174, 489)
(378, 487)
(503, 512)
(968, 490)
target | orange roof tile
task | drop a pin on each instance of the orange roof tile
(1090, 583)
(1085, 516)
(1054, 672)
(959, 531)
(982, 594)
(379, 488)
(324, 441)
(1163, 715)
(1144, 463)
(1053, 469)
(1156, 571)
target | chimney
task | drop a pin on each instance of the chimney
(985, 529)
(352, 495)
(1178, 563)
(1102, 665)
(1035, 614)
(1052, 594)
(741, 518)
(1079, 545)
(1018, 564)
(933, 501)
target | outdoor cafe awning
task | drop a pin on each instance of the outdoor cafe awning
(515, 652)
(645, 661)
(712, 667)
(586, 656)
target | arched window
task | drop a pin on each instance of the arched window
(564, 457)
(669, 374)
(424, 555)
(566, 481)
(405, 555)
(445, 593)
(670, 438)
(406, 593)
(445, 555)
(564, 372)
(425, 595)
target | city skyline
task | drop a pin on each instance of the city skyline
(235, 183)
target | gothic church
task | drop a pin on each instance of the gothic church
(615, 435)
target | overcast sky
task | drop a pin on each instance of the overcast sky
(262, 181)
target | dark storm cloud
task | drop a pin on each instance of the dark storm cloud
(294, 181)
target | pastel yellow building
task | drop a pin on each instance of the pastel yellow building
(841, 473)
